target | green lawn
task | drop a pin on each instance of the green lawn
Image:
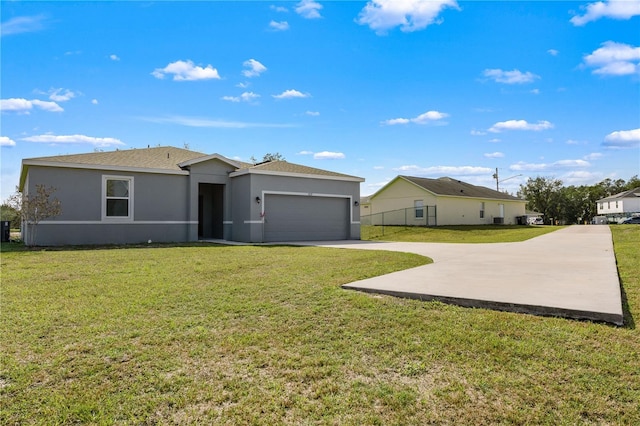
(264, 335)
(455, 234)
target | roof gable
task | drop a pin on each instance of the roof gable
(632, 193)
(446, 186)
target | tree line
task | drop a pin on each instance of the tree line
(570, 204)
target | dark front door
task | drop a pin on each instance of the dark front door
(210, 210)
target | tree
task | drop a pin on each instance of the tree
(543, 196)
(8, 212)
(35, 208)
(268, 157)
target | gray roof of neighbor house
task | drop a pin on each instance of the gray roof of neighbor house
(166, 159)
(632, 193)
(457, 188)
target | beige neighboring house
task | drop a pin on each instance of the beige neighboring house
(442, 201)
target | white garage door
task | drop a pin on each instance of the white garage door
(300, 218)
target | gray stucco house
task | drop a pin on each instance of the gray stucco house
(168, 194)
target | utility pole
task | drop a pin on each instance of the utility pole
(495, 176)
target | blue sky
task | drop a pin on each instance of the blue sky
(372, 89)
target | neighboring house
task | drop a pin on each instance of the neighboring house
(168, 194)
(622, 204)
(443, 201)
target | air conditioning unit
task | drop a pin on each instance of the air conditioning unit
(498, 220)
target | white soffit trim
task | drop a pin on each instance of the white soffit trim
(103, 167)
(299, 175)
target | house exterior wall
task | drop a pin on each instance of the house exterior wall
(248, 214)
(451, 210)
(620, 205)
(159, 205)
(466, 211)
(400, 195)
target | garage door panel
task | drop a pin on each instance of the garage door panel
(300, 218)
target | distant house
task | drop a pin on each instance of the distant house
(176, 195)
(444, 201)
(622, 204)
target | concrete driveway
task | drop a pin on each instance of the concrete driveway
(569, 273)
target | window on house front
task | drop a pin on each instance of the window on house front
(419, 209)
(481, 210)
(117, 197)
(616, 204)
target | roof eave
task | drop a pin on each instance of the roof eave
(42, 163)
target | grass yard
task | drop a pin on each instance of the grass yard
(455, 234)
(264, 335)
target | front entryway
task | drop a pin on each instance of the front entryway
(210, 210)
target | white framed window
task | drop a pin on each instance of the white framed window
(482, 210)
(117, 198)
(419, 208)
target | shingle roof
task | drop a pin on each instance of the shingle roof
(165, 157)
(171, 159)
(457, 188)
(286, 167)
(632, 193)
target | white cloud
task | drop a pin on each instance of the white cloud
(281, 9)
(621, 9)
(623, 139)
(94, 101)
(521, 166)
(427, 117)
(290, 94)
(74, 139)
(186, 71)
(243, 85)
(255, 68)
(305, 153)
(213, 123)
(114, 57)
(312, 113)
(6, 141)
(410, 15)
(581, 177)
(245, 97)
(309, 9)
(553, 52)
(520, 125)
(510, 77)
(61, 95)
(494, 155)
(328, 155)
(475, 132)
(535, 91)
(22, 24)
(378, 167)
(444, 170)
(593, 156)
(279, 26)
(24, 106)
(614, 59)
(495, 140)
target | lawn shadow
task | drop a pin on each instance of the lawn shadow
(627, 316)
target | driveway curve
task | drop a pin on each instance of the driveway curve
(568, 273)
